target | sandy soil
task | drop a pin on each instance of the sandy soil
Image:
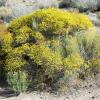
(86, 94)
(87, 90)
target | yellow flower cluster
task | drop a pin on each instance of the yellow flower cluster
(73, 61)
(7, 42)
(53, 21)
(49, 60)
(59, 22)
(96, 62)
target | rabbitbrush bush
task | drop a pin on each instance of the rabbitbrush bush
(48, 42)
(52, 21)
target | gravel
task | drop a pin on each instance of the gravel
(87, 90)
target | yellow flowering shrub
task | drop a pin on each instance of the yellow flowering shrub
(38, 36)
(20, 22)
(53, 21)
(96, 62)
(14, 60)
(49, 60)
(26, 34)
(7, 42)
(56, 21)
(23, 34)
(46, 42)
(73, 61)
(14, 63)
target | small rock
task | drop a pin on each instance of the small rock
(93, 97)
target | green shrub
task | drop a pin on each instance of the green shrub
(96, 44)
(18, 81)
